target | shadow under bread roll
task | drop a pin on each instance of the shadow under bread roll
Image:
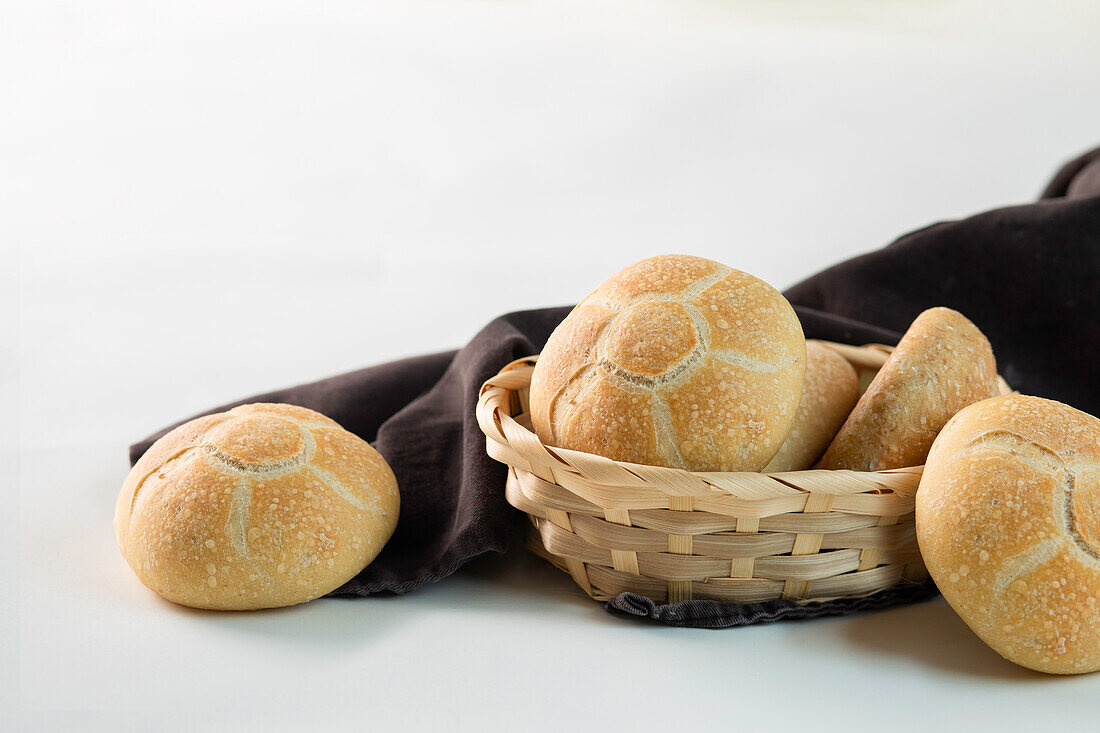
(261, 506)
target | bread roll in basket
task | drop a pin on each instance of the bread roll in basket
(674, 535)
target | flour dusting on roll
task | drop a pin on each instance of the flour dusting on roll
(264, 505)
(941, 365)
(1008, 521)
(674, 361)
(830, 390)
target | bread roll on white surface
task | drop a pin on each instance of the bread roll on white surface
(829, 391)
(941, 365)
(673, 361)
(1008, 521)
(261, 506)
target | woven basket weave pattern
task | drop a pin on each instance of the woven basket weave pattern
(674, 535)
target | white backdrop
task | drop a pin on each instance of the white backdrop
(202, 200)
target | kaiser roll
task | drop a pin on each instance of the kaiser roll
(264, 505)
(941, 365)
(829, 392)
(674, 361)
(1008, 522)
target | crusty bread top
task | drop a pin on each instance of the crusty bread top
(263, 505)
(1008, 521)
(941, 365)
(675, 361)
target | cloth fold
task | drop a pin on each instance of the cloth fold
(1029, 276)
(723, 615)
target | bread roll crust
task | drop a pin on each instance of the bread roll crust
(261, 506)
(830, 390)
(673, 361)
(1008, 525)
(941, 365)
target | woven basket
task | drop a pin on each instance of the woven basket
(673, 535)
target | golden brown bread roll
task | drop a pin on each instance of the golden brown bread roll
(941, 365)
(674, 361)
(1008, 521)
(264, 505)
(829, 392)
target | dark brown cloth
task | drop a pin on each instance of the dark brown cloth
(1077, 179)
(1029, 276)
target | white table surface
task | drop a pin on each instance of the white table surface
(202, 200)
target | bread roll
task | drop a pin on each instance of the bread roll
(265, 505)
(829, 391)
(1008, 522)
(674, 361)
(941, 365)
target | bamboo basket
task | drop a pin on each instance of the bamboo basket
(674, 535)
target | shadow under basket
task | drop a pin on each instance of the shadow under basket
(674, 535)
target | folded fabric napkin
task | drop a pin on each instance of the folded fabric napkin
(1028, 276)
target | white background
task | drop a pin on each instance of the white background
(202, 200)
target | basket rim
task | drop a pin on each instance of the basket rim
(511, 442)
